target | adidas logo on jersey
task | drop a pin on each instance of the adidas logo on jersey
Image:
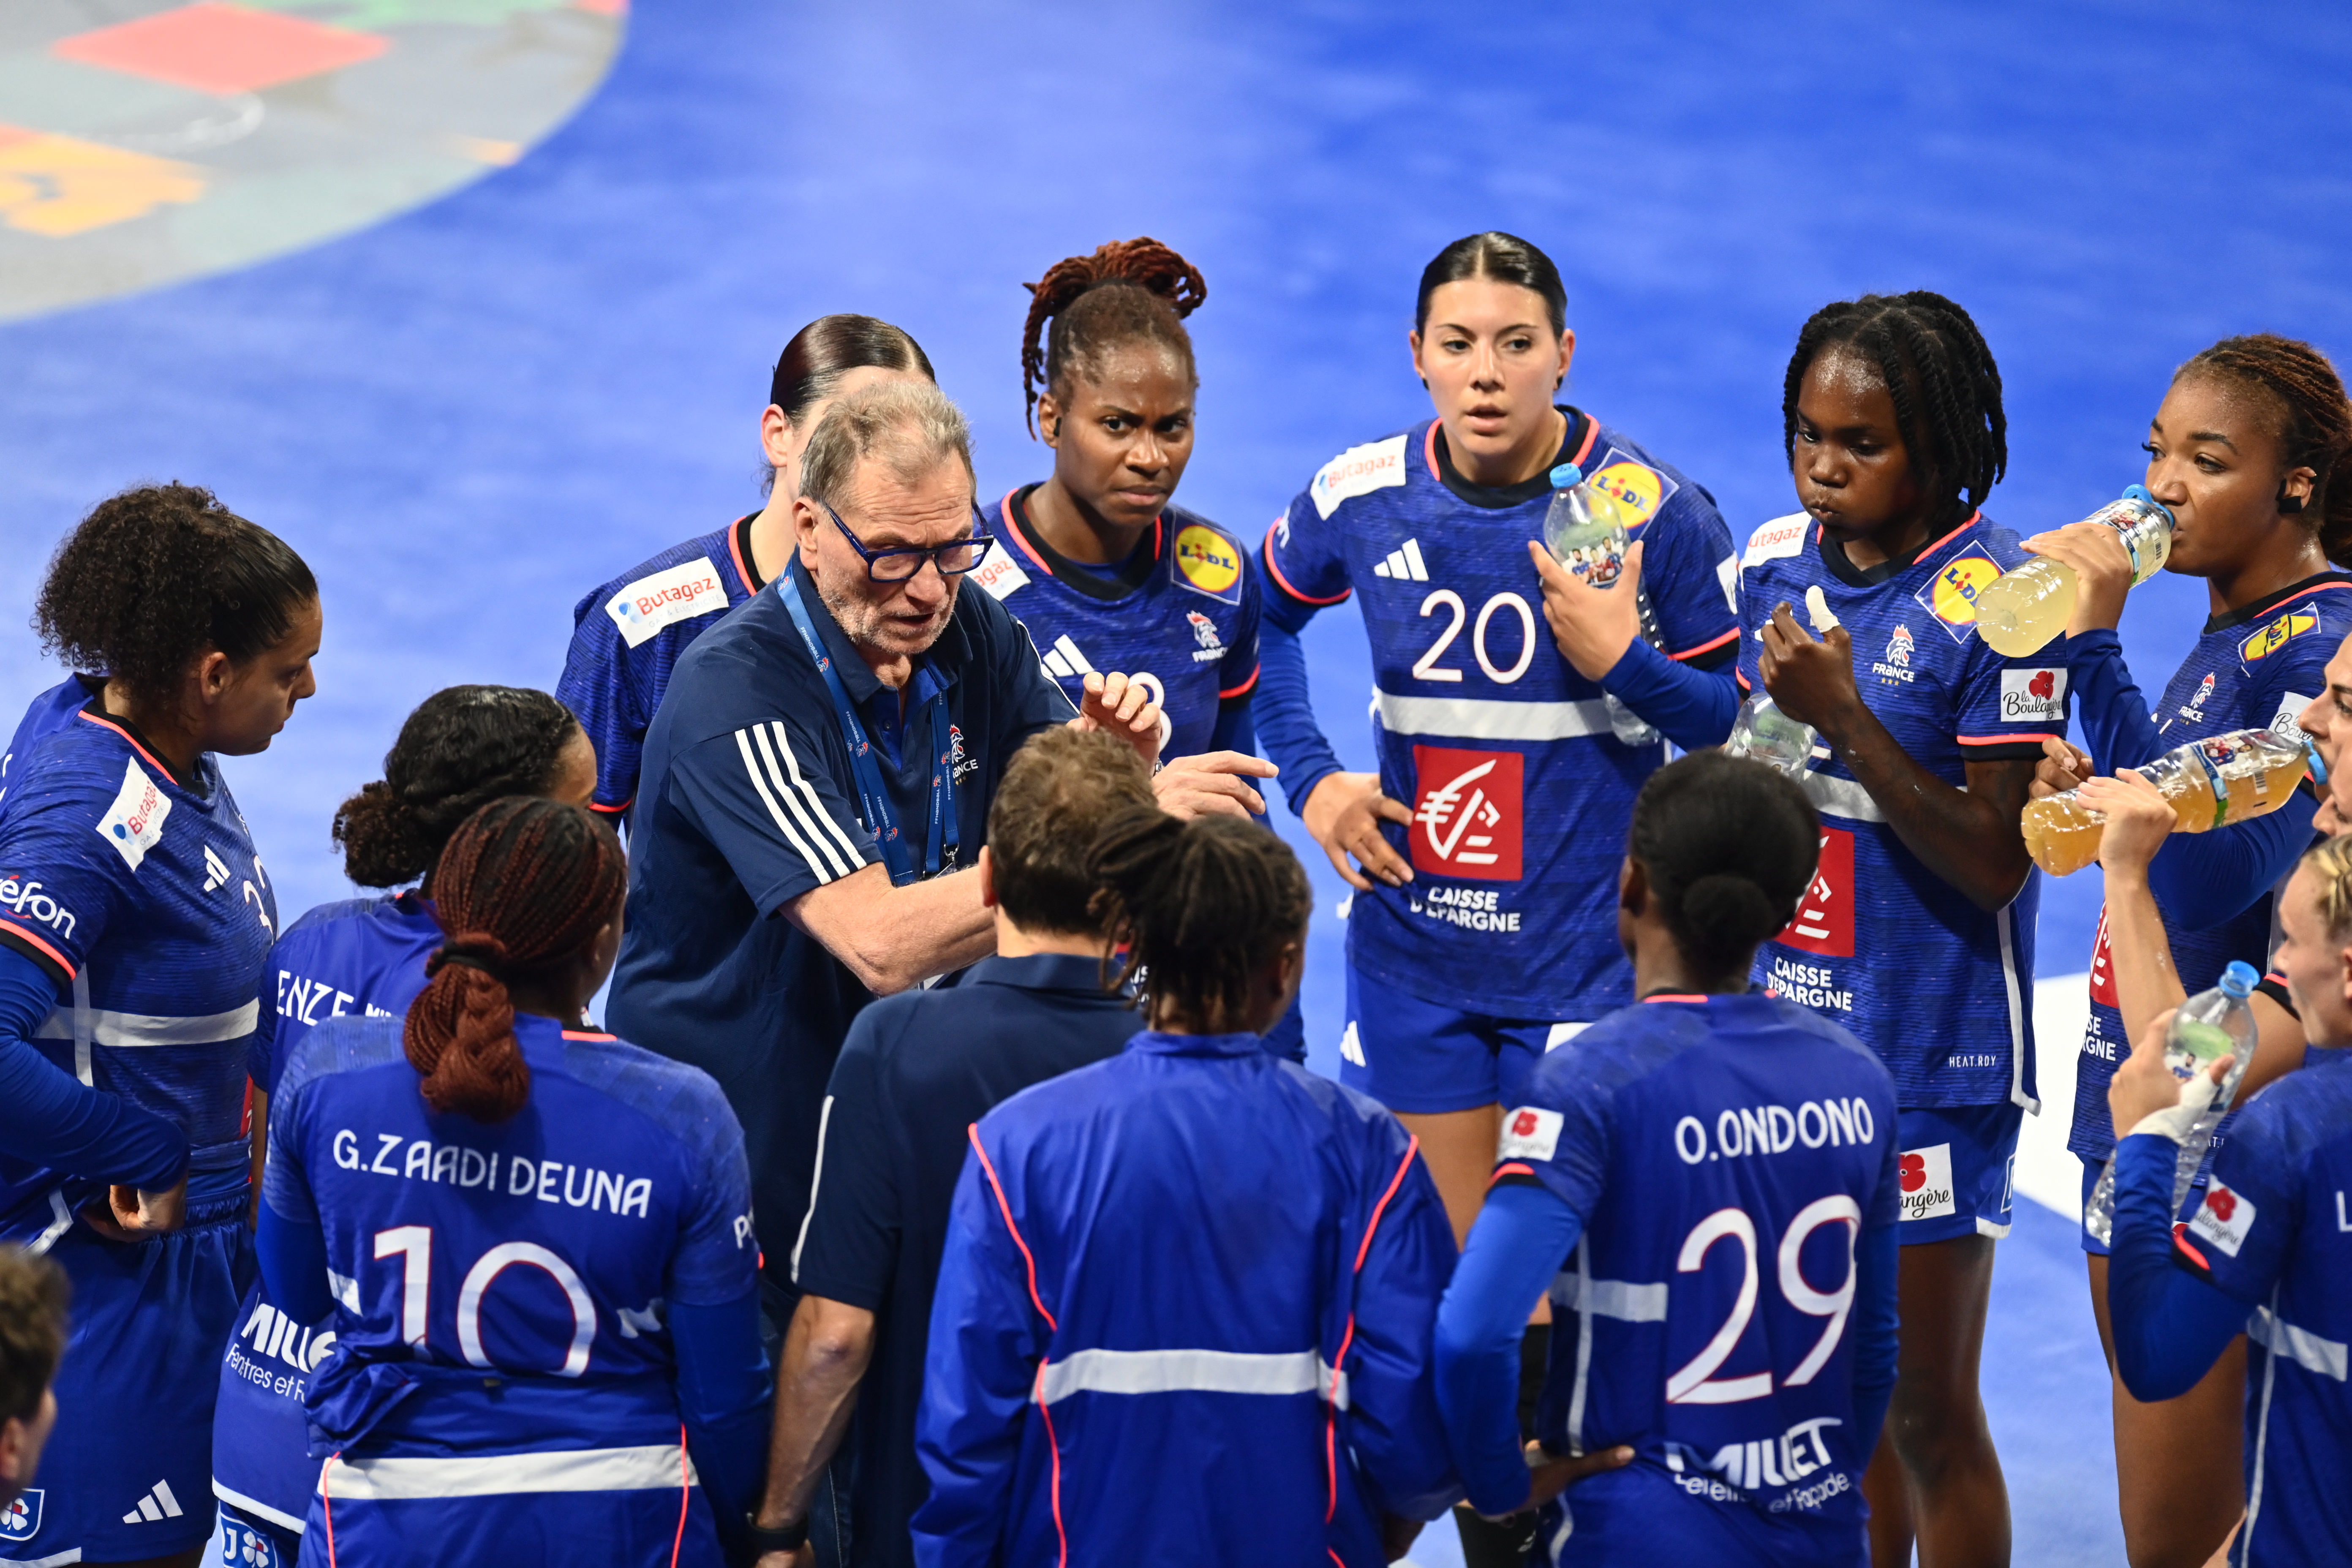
(1405, 563)
(1064, 661)
(215, 870)
(1351, 1048)
(159, 1503)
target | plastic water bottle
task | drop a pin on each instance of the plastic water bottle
(1583, 534)
(2021, 611)
(1761, 731)
(2215, 783)
(2208, 1027)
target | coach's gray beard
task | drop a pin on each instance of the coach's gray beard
(863, 622)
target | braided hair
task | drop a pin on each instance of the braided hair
(464, 747)
(2314, 420)
(1729, 846)
(1200, 907)
(522, 886)
(1130, 291)
(1946, 389)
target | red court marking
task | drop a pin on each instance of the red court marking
(215, 48)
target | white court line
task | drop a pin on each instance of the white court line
(2046, 1172)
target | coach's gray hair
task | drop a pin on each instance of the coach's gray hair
(910, 425)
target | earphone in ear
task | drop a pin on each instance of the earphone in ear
(2287, 503)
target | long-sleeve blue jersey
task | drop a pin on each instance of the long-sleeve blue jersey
(1185, 1315)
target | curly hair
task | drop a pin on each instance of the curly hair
(1935, 366)
(1200, 907)
(2315, 418)
(464, 747)
(154, 578)
(1130, 291)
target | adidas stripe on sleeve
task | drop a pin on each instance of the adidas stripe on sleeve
(763, 798)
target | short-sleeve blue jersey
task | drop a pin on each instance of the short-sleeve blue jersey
(2253, 668)
(1520, 791)
(1941, 989)
(1184, 620)
(544, 1248)
(627, 634)
(1725, 1153)
(140, 896)
(2275, 1231)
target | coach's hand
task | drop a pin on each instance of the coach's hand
(1551, 1477)
(1211, 784)
(2063, 767)
(1344, 814)
(1593, 626)
(1811, 680)
(131, 1215)
(1124, 708)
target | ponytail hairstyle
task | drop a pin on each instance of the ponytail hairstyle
(829, 348)
(1130, 291)
(1729, 846)
(522, 884)
(464, 747)
(1946, 389)
(1505, 258)
(157, 577)
(1200, 905)
(2315, 421)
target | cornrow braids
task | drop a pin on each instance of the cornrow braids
(2314, 420)
(1200, 905)
(1129, 290)
(523, 884)
(1936, 367)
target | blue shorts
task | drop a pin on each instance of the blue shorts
(262, 1467)
(128, 1473)
(1423, 1057)
(426, 1523)
(1956, 1163)
(242, 1540)
(1643, 1517)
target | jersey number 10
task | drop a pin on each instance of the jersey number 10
(412, 1244)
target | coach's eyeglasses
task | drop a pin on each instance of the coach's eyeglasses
(898, 564)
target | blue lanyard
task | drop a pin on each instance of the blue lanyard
(874, 800)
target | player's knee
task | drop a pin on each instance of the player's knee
(1936, 1425)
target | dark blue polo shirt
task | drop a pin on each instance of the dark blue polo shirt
(917, 1070)
(745, 802)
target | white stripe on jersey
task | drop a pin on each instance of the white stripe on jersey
(1185, 1372)
(2313, 1353)
(744, 740)
(129, 1029)
(2002, 922)
(1623, 1300)
(815, 802)
(658, 1466)
(1480, 719)
(817, 1180)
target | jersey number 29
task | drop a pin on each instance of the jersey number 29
(1696, 1384)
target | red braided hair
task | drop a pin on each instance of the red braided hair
(1159, 289)
(523, 884)
(2315, 425)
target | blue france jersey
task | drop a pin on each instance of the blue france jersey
(2275, 1231)
(1520, 795)
(2255, 669)
(1724, 1152)
(1941, 990)
(1188, 629)
(142, 899)
(545, 1246)
(626, 636)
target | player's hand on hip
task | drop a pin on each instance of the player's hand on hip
(2139, 819)
(804, 1558)
(2063, 767)
(2103, 573)
(1123, 708)
(1212, 783)
(1344, 814)
(133, 1215)
(1593, 626)
(1551, 1477)
(1811, 680)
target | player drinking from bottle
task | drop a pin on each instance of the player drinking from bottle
(539, 1237)
(1706, 1136)
(1917, 933)
(2243, 451)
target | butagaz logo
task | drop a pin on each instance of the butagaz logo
(2033, 695)
(1925, 1176)
(159, 1503)
(998, 573)
(642, 608)
(1529, 1133)
(2194, 707)
(21, 1519)
(1894, 665)
(1357, 471)
(1403, 563)
(134, 823)
(1204, 632)
(1778, 539)
(1468, 820)
(215, 870)
(28, 903)
(2225, 1218)
(1824, 920)
(1064, 661)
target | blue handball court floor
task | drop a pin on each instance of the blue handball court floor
(474, 302)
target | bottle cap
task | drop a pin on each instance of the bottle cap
(1565, 474)
(2317, 764)
(2139, 493)
(2239, 980)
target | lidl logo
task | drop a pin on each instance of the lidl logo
(1207, 561)
(1632, 491)
(2276, 634)
(1951, 595)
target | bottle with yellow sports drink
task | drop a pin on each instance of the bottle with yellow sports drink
(2215, 783)
(2023, 610)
